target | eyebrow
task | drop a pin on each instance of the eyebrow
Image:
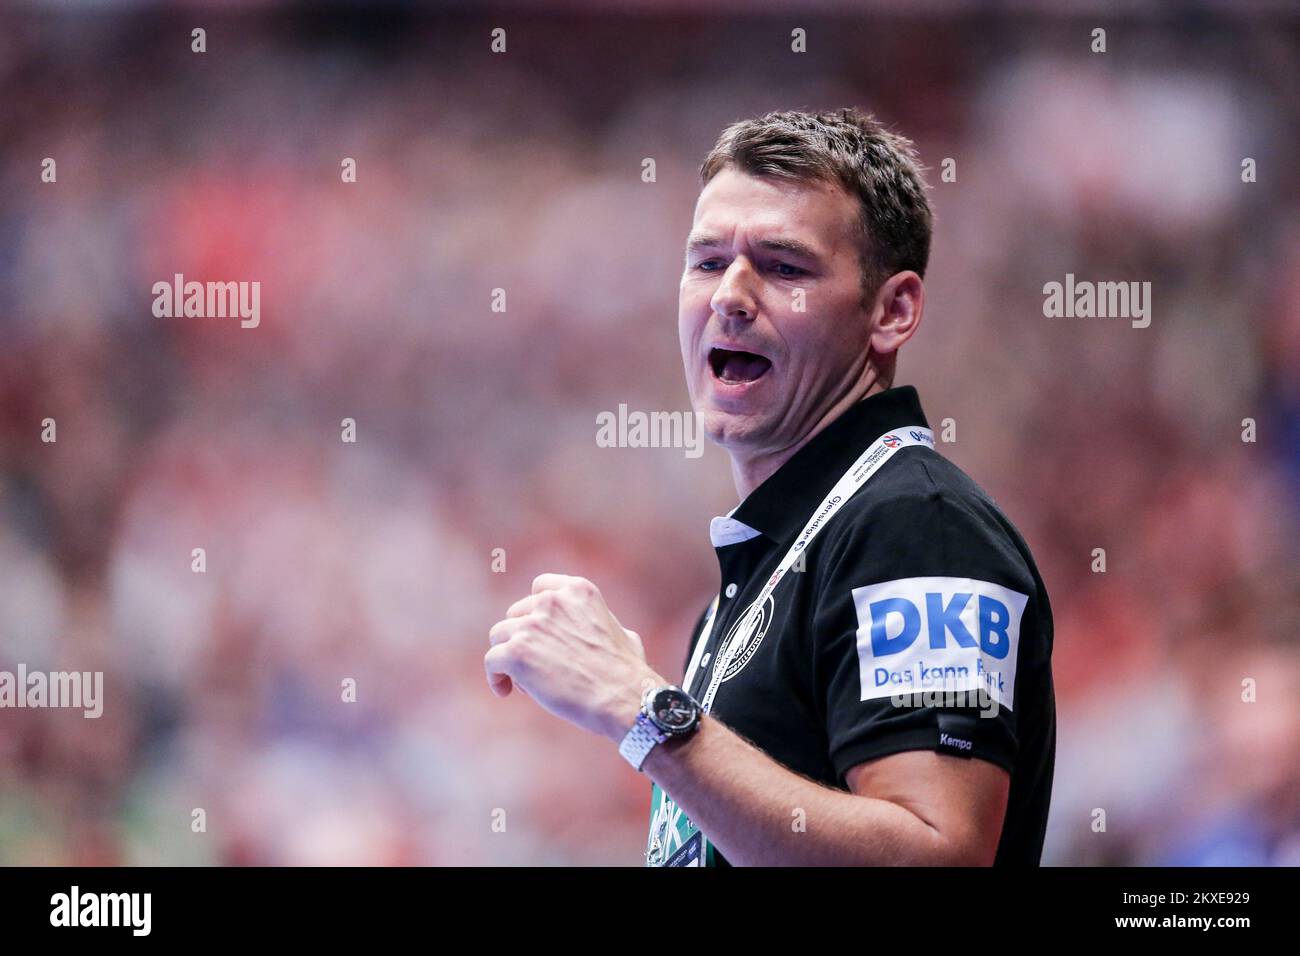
(792, 246)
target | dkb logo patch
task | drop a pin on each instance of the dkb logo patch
(942, 634)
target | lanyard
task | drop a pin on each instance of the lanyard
(868, 463)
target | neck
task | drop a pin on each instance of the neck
(750, 471)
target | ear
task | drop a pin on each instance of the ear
(896, 311)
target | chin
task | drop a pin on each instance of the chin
(730, 430)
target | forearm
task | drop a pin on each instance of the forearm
(749, 806)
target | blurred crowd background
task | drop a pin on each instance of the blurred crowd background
(476, 429)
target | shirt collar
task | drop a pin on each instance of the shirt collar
(725, 530)
(781, 505)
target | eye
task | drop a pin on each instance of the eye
(706, 264)
(787, 271)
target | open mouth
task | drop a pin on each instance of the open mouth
(736, 368)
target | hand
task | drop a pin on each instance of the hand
(564, 647)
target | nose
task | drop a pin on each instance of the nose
(734, 297)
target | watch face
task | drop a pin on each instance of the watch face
(673, 710)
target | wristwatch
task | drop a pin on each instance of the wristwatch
(667, 713)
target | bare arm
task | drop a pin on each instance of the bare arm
(565, 647)
(913, 808)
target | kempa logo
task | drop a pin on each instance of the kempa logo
(81, 689)
(212, 300)
(948, 740)
(102, 909)
(1102, 300)
(624, 429)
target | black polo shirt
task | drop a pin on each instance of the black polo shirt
(918, 587)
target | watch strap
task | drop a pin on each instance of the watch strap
(640, 740)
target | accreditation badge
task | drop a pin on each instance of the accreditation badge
(674, 840)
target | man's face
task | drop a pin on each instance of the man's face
(764, 363)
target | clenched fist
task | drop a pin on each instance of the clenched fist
(565, 648)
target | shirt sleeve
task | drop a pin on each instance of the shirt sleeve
(918, 628)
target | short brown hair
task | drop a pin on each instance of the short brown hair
(851, 149)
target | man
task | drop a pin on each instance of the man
(873, 683)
